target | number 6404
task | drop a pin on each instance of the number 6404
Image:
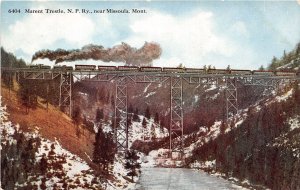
(14, 11)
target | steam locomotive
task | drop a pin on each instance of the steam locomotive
(169, 70)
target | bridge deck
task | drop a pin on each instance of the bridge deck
(147, 73)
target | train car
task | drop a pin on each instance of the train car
(298, 72)
(173, 69)
(68, 68)
(56, 67)
(45, 67)
(85, 67)
(107, 68)
(39, 66)
(151, 69)
(240, 72)
(62, 68)
(195, 70)
(128, 68)
(34, 66)
(286, 73)
(265, 73)
(217, 71)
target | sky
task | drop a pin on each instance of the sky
(242, 34)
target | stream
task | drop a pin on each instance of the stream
(181, 179)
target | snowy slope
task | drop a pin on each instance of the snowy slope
(151, 131)
(64, 169)
(238, 119)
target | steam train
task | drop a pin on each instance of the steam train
(169, 70)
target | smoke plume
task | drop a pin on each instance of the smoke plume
(119, 53)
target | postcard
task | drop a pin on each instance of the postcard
(150, 95)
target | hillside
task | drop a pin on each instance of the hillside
(262, 146)
(44, 149)
(51, 124)
(288, 61)
(202, 104)
(29, 161)
(258, 147)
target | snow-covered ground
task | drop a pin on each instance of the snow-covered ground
(239, 119)
(294, 123)
(119, 172)
(150, 132)
(74, 172)
(285, 96)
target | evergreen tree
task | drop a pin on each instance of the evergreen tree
(132, 163)
(27, 95)
(136, 115)
(298, 49)
(104, 150)
(284, 54)
(130, 114)
(223, 127)
(153, 134)
(261, 68)
(129, 122)
(162, 125)
(144, 124)
(112, 100)
(7, 79)
(180, 65)
(147, 113)
(156, 118)
(274, 63)
(43, 185)
(76, 116)
(107, 98)
(9, 60)
(130, 109)
(23, 94)
(100, 93)
(43, 165)
(99, 115)
(296, 97)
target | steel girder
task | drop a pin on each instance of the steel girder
(176, 124)
(65, 92)
(202, 80)
(96, 77)
(44, 75)
(231, 97)
(121, 135)
(255, 81)
(148, 78)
